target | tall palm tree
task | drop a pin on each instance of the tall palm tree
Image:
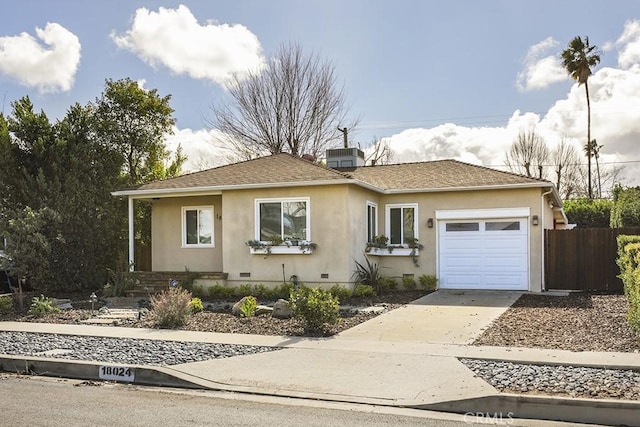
(578, 59)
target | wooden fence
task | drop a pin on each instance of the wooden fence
(583, 259)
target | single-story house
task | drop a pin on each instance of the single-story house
(265, 220)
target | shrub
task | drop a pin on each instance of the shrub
(196, 305)
(387, 284)
(340, 292)
(218, 291)
(626, 207)
(248, 307)
(6, 305)
(629, 263)
(363, 291)
(171, 308)
(368, 274)
(120, 280)
(409, 283)
(428, 282)
(242, 291)
(315, 307)
(42, 305)
(588, 213)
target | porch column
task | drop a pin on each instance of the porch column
(131, 236)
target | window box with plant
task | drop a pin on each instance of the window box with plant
(282, 227)
(380, 246)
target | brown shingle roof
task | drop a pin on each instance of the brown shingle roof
(279, 168)
(286, 169)
(439, 174)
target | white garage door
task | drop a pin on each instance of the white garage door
(484, 254)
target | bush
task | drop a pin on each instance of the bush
(363, 291)
(218, 291)
(428, 282)
(42, 305)
(409, 283)
(242, 291)
(629, 263)
(315, 307)
(248, 307)
(6, 305)
(588, 213)
(388, 284)
(196, 305)
(340, 292)
(626, 207)
(171, 308)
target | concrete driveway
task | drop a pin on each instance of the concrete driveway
(443, 317)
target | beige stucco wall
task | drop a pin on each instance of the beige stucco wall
(338, 226)
(166, 239)
(330, 228)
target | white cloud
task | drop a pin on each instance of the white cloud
(174, 38)
(629, 45)
(200, 147)
(615, 124)
(539, 70)
(48, 62)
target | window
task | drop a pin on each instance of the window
(197, 226)
(402, 223)
(502, 225)
(372, 221)
(285, 219)
(462, 226)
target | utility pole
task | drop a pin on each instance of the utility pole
(344, 131)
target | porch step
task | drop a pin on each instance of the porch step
(153, 282)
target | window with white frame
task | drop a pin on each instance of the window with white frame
(282, 219)
(401, 223)
(197, 226)
(372, 221)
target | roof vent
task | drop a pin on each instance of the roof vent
(344, 158)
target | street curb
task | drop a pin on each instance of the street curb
(500, 407)
(85, 370)
(504, 406)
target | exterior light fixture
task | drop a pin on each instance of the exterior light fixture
(430, 223)
(534, 220)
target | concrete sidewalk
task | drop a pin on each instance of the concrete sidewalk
(385, 361)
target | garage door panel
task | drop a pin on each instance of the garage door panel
(505, 243)
(462, 262)
(506, 261)
(458, 243)
(496, 256)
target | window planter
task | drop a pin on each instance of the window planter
(257, 247)
(392, 251)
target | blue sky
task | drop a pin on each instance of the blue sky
(455, 79)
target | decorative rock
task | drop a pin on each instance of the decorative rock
(281, 309)
(262, 310)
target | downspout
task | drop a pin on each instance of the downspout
(542, 203)
(131, 235)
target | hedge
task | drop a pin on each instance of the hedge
(629, 263)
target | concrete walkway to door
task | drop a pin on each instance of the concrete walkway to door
(444, 317)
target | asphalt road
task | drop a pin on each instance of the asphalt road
(39, 401)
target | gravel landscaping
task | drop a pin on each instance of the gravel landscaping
(577, 322)
(558, 380)
(119, 350)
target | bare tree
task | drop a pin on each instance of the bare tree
(381, 153)
(293, 105)
(569, 176)
(528, 154)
